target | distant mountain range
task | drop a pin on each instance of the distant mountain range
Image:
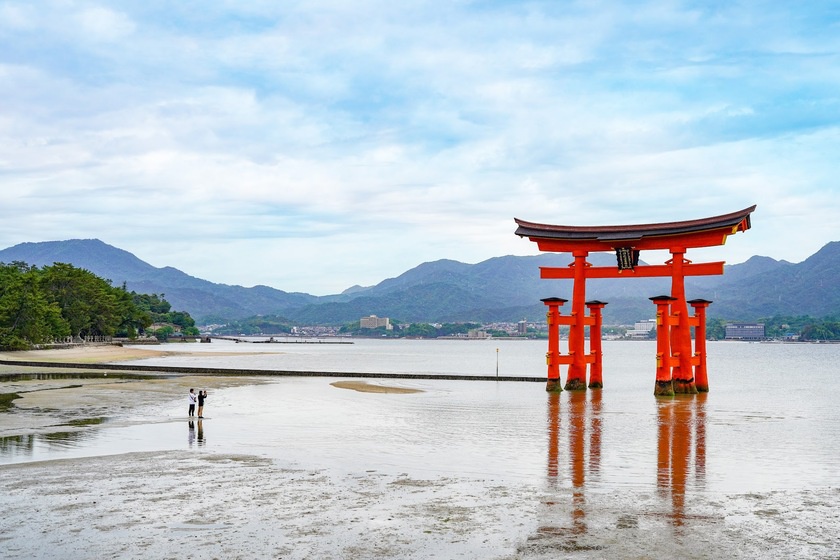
(499, 289)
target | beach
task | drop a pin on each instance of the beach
(54, 400)
(188, 505)
(195, 503)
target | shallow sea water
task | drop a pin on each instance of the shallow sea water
(767, 434)
(769, 422)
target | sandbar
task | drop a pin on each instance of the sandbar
(365, 387)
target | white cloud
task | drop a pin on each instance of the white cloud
(101, 24)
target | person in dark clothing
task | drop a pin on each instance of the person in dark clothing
(201, 396)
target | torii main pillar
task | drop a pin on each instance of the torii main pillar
(676, 362)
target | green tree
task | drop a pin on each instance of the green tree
(180, 318)
(164, 332)
(88, 303)
(26, 316)
(823, 330)
(449, 329)
(135, 319)
(715, 329)
(421, 330)
(40, 305)
(153, 304)
(154, 308)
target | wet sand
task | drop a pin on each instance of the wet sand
(192, 504)
(54, 400)
(199, 505)
(235, 506)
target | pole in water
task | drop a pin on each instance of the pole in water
(497, 362)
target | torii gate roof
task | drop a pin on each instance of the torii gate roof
(705, 232)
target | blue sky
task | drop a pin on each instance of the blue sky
(311, 146)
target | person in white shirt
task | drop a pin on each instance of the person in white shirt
(192, 399)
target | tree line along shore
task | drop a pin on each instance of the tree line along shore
(50, 304)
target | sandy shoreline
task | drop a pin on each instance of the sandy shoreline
(99, 354)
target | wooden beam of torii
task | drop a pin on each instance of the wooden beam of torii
(676, 362)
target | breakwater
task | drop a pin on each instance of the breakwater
(264, 372)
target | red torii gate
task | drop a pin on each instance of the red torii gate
(678, 369)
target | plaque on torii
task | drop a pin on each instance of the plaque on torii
(679, 368)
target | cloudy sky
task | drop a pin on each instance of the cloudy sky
(314, 145)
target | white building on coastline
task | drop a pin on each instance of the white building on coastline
(641, 329)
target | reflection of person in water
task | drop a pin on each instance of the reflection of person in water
(200, 433)
(191, 433)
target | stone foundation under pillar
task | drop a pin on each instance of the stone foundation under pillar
(554, 386)
(684, 387)
(663, 389)
(575, 385)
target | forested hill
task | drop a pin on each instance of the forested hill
(506, 288)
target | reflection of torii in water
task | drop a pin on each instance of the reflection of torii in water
(584, 418)
(676, 420)
(677, 453)
(677, 364)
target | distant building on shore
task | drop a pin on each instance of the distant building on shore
(641, 329)
(477, 333)
(374, 322)
(744, 331)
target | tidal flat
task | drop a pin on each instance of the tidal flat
(96, 466)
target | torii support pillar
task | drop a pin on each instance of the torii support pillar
(596, 378)
(552, 358)
(701, 376)
(576, 379)
(664, 386)
(683, 372)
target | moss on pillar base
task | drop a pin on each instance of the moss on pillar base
(663, 389)
(684, 387)
(702, 388)
(554, 386)
(596, 385)
(575, 385)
